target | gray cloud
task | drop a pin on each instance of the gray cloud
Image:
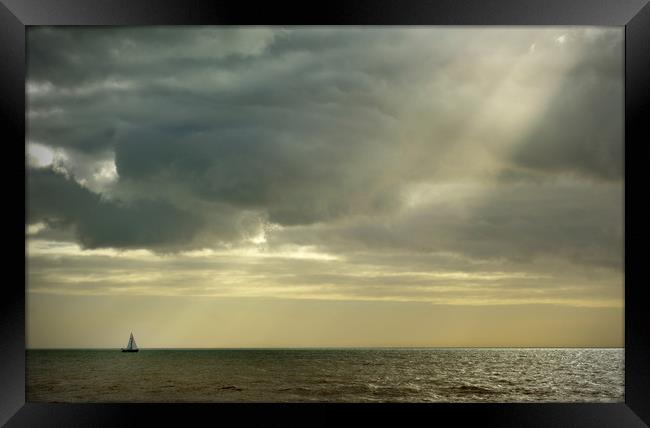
(580, 222)
(214, 132)
(588, 100)
(59, 201)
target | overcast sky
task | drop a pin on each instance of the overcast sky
(325, 186)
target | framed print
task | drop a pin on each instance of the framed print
(372, 211)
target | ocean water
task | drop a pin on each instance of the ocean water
(327, 375)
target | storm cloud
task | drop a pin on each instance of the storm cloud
(59, 201)
(390, 149)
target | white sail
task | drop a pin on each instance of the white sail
(131, 345)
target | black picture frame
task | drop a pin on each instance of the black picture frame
(16, 15)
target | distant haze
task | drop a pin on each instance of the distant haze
(326, 186)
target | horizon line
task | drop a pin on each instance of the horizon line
(331, 347)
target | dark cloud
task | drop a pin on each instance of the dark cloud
(58, 201)
(580, 222)
(70, 56)
(214, 132)
(581, 131)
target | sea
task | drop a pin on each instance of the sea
(326, 375)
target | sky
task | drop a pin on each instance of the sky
(324, 186)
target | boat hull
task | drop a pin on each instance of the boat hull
(130, 350)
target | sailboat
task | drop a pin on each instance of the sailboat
(131, 347)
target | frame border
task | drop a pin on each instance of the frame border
(16, 15)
